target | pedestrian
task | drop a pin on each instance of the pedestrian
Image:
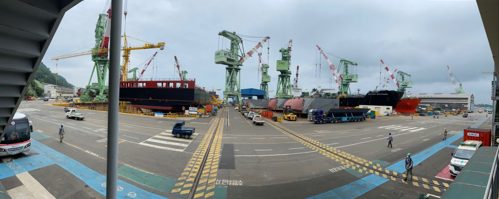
(412, 116)
(408, 167)
(61, 133)
(390, 139)
(445, 134)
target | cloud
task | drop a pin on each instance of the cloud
(418, 37)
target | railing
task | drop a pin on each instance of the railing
(492, 184)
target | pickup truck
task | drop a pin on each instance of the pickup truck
(180, 130)
(74, 114)
(257, 120)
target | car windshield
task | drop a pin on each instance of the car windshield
(464, 154)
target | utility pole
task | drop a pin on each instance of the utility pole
(114, 97)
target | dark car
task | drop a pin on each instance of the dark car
(180, 130)
(465, 115)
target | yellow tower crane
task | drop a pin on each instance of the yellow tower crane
(126, 54)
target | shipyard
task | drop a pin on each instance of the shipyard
(166, 99)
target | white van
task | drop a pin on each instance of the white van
(462, 155)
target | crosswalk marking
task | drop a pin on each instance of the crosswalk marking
(402, 128)
(166, 141)
(34, 186)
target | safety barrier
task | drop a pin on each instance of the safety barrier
(492, 184)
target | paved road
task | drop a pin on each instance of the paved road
(255, 162)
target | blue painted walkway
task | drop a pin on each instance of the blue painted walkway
(47, 156)
(361, 186)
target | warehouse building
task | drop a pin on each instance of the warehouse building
(447, 101)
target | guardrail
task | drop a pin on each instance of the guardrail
(492, 184)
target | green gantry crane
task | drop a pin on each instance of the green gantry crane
(346, 77)
(134, 73)
(282, 66)
(403, 81)
(264, 85)
(96, 91)
(233, 58)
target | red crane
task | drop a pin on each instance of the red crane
(147, 65)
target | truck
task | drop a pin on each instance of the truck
(180, 130)
(74, 114)
(339, 115)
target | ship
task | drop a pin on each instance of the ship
(408, 105)
(169, 95)
(379, 98)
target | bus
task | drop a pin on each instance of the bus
(16, 138)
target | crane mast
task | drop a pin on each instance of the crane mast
(346, 77)
(264, 85)
(283, 80)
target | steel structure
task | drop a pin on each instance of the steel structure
(346, 77)
(403, 81)
(264, 85)
(134, 73)
(234, 58)
(182, 74)
(459, 86)
(127, 50)
(282, 66)
(332, 67)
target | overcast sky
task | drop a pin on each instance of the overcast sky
(420, 37)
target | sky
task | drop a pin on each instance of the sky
(419, 37)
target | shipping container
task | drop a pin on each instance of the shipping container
(483, 135)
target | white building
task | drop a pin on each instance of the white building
(447, 101)
(54, 91)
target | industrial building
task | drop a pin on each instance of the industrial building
(447, 101)
(54, 91)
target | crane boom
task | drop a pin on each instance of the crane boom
(332, 67)
(126, 55)
(147, 65)
(254, 49)
(455, 81)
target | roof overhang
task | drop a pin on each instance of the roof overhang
(489, 10)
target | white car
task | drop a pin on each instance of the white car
(462, 155)
(74, 114)
(250, 115)
(257, 120)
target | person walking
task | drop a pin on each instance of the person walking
(408, 167)
(61, 133)
(445, 134)
(390, 140)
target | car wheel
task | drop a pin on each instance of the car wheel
(67, 117)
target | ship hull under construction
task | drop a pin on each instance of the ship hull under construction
(172, 96)
(407, 105)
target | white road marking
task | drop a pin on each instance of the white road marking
(336, 169)
(161, 147)
(102, 140)
(136, 138)
(236, 149)
(263, 149)
(34, 186)
(426, 139)
(227, 182)
(278, 138)
(410, 128)
(166, 142)
(20, 192)
(379, 135)
(274, 155)
(257, 138)
(416, 130)
(173, 138)
(363, 142)
(296, 148)
(331, 144)
(365, 138)
(395, 150)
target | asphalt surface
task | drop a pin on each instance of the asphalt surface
(255, 161)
